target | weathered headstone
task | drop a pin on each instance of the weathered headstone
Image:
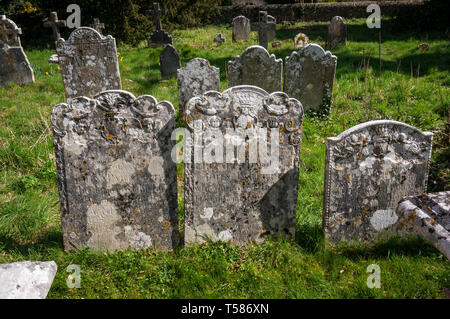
(266, 29)
(219, 39)
(337, 32)
(241, 28)
(88, 63)
(301, 40)
(97, 26)
(14, 64)
(235, 188)
(54, 23)
(429, 215)
(255, 66)
(195, 79)
(309, 76)
(169, 62)
(271, 32)
(26, 280)
(369, 169)
(159, 37)
(116, 179)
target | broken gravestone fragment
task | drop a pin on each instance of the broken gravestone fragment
(116, 179)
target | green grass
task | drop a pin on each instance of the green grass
(411, 87)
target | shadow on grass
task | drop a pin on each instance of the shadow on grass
(51, 240)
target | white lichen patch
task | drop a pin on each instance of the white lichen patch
(120, 172)
(383, 218)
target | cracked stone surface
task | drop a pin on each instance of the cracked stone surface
(88, 63)
(26, 280)
(309, 76)
(245, 195)
(337, 32)
(169, 62)
(241, 28)
(197, 77)
(429, 215)
(255, 66)
(116, 179)
(369, 169)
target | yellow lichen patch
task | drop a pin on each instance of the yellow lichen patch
(137, 211)
(166, 224)
(347, 177)
(109, 136)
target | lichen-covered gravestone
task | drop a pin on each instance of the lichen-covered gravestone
(309, 76)
(241, 28)
(429, 215)
(116, 179)
(88, 63)
(337, 32)
(369, 169)
(241, 165)
(26, 280)
(169, 62)
(255, 66)
(301, 40)
(14, 65)
(195, 79)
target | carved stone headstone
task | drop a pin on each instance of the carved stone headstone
(309, 76)
(241, 28)
(219, 39)
(88, 63)
(266, 28)
(337, 32)
(369, 169)
(54, 23)
(169, 62)
(241, 165)
(116, 179)
(429, 215)
(14, 64)
(195, 79)
(26, 280)
(159, 37)
(301, 40)
(271, 32)
(255, 66)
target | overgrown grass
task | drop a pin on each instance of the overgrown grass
(412, 87)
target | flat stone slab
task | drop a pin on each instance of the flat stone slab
(26, 280)
(429, 215)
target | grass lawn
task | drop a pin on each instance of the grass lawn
(411, 86)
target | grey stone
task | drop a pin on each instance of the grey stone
(219, 39)
(309, 76)
(88, 63)
(369, 169)
(195, 79)
(14, 64)
(429, 215)
(26, 280)
(301, 40)
(271, 32)
(255, 66)
(53, 59)
(97, 26)
(266, 28)
(116, 179)
(159, 37)
(54, 23)
(169, 62)
(241, 194)
(337, 32)
(241, 28)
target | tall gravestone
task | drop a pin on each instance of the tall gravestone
(255, 66)
(116, 179)
(272, 32)
(241, 165)
(337, 32)
(54, 23)
(369, 169)
(88, 63)
(159, 37)
(266, 28)
(14, 64)
(169, 62)
(309, 76)
(195, 79)
(241, 28)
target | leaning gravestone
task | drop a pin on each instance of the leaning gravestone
(116, 179)
(369, 169)
(88, 63)
(159, 37)
(255, 66)
(195, 79)
(429, 215)
(14, 65)
(309, 76)
(169, 62)
(235, 188)
(337, 32)
(241, 28)
(26, 280)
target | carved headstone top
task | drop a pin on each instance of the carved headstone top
(255, 66)
(235, 188)
(88, 63)
(337, 32)
(241, 28)
(169, 62)
(9, 32)
(301, 40)
(369, 169)
(116, 178)
(309, 77)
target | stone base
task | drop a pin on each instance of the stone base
(159, 38)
